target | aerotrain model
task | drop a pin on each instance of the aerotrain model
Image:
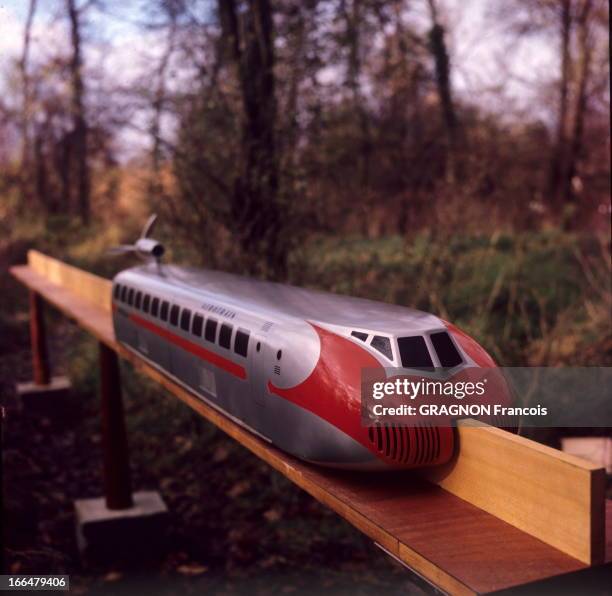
(285, 362)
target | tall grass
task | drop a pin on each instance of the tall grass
(533, 299)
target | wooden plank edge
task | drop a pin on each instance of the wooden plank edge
(534, 446)
(57, 299)
(91, 287)
(433, 573)
(598, 517)
(466, 484)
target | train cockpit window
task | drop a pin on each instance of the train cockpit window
(210, 334)
(124, 293)
(117, 291)
(359, 335)
(146, 303)
(383, 345)
(414, 352)
(174, 315)
(198, 323)
(138, 300)
(154, 307)
(185, 319)
(225, 336)
(163, 315)
(131, 296)
(445, 349)
(241, 343)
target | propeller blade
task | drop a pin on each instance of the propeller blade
(121, 249)
(149, 226)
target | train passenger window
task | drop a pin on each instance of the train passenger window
(163, 315)
(185, 319)
(154, 307)
(131, 296)
(414, 352)
(210, 333)
(359, 335)
(174, 315)
(241, 343)
(225, 336)
(146, 303)
(117, 291)
(124, 293)
(445, 349)
(383, 345)
(138, 300)
(198, 323)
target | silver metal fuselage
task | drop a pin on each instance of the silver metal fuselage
(282, 349)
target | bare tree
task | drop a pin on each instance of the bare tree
(298, 14)
(80, 129)
(558, 169)
(159, 101)
(256, 211)
(26, 112)
(576, 50)
(583, 75)
(443, 82)
(354, 19)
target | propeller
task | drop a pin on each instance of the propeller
(145, 247)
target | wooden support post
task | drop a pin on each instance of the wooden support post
(43, 393)
(38, 337)
(120, 526)
(117, 481)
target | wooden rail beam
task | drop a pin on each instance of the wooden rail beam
(553, 496)
(506, 512)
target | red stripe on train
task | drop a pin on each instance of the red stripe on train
(195, 349)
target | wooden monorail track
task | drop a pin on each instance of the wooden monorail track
(505, 513)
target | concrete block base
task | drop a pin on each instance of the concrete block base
(44, 397)
(134, 534)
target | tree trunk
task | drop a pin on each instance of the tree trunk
(26, 151)
(289, 146)
(353, 20)
(78, 114)
(40, 168)
(558, 169)
(442, 65)
(256, 214)
(584, 70)
(159, 98)
(63, 155)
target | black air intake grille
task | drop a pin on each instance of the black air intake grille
(419, 445)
